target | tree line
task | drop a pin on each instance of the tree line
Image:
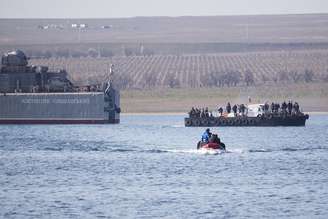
(90, 52)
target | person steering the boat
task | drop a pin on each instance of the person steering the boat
(206, 136)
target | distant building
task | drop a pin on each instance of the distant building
(51, 26)
(82, 26)
(106, 26)
(43, 27)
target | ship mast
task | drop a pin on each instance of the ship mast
(111, 75)
(110, 79)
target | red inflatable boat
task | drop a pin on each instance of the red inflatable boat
(216, 146)
(211, 146)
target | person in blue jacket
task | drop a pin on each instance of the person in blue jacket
(206, 136)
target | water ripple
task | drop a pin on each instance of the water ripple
(148, 167)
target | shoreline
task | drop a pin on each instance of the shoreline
(180, 113)
(155, 114)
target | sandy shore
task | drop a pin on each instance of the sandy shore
(317, 113)
(155, 114)
(185, 114)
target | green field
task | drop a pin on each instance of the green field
(312, 97)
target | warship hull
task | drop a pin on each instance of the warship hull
(57, 108)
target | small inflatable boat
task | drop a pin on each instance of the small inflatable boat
(211, 146)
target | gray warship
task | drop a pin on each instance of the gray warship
(34, 95)
(253, 115)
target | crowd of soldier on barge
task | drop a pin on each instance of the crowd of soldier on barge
(289, 108)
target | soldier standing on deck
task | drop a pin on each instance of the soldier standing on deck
(220, 111)
(296, 108)
(206, 112)
(290, 107)
(266, 107)
(234, 109)
(284, 106)
(277, 107)
(228, 108)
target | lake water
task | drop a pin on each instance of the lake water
(147, 167)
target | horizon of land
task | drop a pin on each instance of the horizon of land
(285, 28)
(171, 16)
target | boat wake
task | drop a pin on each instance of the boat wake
(117, 148)
(200, 151)
(232, 151)
(287, 149)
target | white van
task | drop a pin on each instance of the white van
(254, 110)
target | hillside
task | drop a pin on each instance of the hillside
(249, 29)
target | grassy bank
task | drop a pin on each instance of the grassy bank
(311, 96)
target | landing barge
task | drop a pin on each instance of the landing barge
(254, 116)
(34, 95)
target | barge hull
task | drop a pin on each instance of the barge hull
(246, 121)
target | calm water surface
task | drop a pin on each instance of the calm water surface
(147, 167)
